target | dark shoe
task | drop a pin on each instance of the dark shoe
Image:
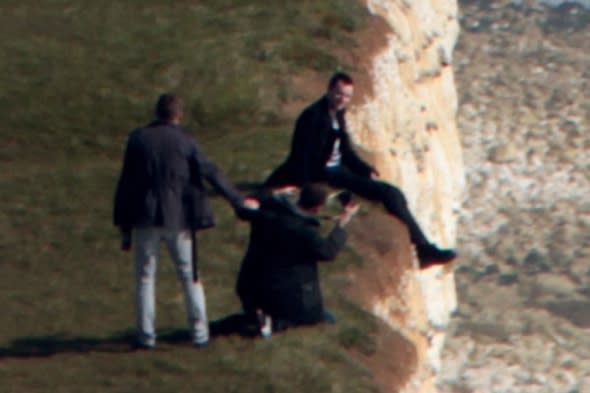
(281, 324)
(203, 344)
(140, 346)
(430, 255)
(329, 318)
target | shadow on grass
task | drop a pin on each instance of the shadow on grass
(232, 324)
(44, 346)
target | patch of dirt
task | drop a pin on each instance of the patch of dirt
(305, 87)
(370, 40)
(384, 244)
(393, 363)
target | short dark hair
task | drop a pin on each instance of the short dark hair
(312, 196)
(340, 77)
(168, 106)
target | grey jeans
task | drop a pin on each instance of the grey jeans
(147, 251)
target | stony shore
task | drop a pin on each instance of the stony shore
(523, 323)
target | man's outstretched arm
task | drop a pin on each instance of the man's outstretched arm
(200, 164)
(353, 161)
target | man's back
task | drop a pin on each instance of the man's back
(164, 149)
(161, 181)
(156, 178)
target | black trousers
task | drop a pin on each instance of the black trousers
(391, 197)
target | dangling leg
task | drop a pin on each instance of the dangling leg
(392, 198)
(395, 203)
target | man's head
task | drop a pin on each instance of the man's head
(340, 91)
(312, 198)
(169, 108)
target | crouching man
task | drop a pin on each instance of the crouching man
(279, 274)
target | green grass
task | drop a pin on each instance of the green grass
(75, 78)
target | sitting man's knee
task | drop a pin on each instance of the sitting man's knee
(394, 194)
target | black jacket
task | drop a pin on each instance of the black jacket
(279, 273)
(161, 181)
(311, 146)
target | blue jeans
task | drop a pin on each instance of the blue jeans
(147, 251)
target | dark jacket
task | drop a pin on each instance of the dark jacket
(161, 181)
(311, 146)
(279, 273)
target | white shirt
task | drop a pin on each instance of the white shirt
(335, 156)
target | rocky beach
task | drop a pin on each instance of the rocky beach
(522, 70)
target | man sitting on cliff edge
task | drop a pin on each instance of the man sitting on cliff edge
(321, 151)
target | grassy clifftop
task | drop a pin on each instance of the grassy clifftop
(75, 77)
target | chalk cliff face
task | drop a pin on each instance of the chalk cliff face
(406, 126)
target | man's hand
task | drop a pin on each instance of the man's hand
(374, 174)
(288, 189)
(347, 213)
(125, 241)
(251, 203)
(247, 209)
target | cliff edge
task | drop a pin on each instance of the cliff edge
(405, 124)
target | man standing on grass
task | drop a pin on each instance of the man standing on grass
(321, 151)
(160, 197)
